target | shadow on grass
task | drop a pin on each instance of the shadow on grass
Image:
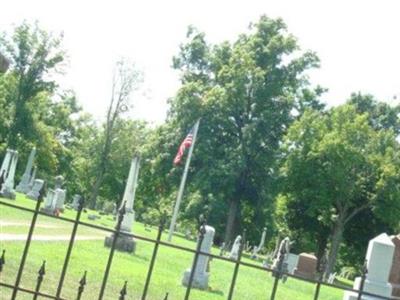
(141, 257)
(216, 292)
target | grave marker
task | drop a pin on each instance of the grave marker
(23, 186)
(379, 262)
(201, 275)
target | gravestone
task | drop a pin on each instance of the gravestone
(59, 199)
(32, 180)
(49, 204)
(235, 248)
(58, 182)
(292, 261)
(54, 202)
(93, 217)
(261, 245)
(75, 201)
(284, 248)
(379, 262)
(8, 186)
(201, 275)
(394, 277)
(23, 186)
(306, 266)
(6, 163)
(34, 192)
(222, 249)
(124, 242)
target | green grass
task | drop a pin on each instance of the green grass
(92, 256)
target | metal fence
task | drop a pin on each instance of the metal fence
(278, 273)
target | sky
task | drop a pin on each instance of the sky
(358, 42)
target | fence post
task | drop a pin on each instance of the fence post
(81, 287)
(364, 273)
(122, 293)
(70, 246)
(153, 258)
(42, 272)
(202, 231)
(278, 272)
(237, 264)
(2, 179)
(121, 214)
(28, 242)
(321, 269)
(2, 260)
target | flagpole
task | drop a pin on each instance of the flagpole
(182, 185)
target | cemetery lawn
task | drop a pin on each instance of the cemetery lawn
(92, 256)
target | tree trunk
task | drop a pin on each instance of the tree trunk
(231, 221)
(96, 189)
(337, 236)
(102, 166)
(321, 247)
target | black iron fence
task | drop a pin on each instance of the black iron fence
(278, 272)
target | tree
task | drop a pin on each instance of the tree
(126, 79)
(340, 166)
(34, 57)
(4, 64)
(245, 93)
(380, 114)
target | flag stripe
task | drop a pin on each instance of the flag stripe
(187, 142)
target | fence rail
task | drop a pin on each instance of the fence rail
(278, 273)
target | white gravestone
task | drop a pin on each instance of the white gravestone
(54, 201)
(59, 199)
(6, 163)
(127, 243)
(129, 195)
(292, 260)
(48, 201)
(37, 186)
(261, 245)
(284, 248)
(8, 187)
(235, 248)
(201, 276)
(23, 186)
(379, 261)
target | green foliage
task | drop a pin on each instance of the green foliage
(337, 166)
(380, 114)
(35, 56)
(245, 93)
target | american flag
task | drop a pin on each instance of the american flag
(187, 142)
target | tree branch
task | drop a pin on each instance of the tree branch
(355, 212)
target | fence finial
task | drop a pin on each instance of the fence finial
(81, 287)
(2, 260)
(123, 293)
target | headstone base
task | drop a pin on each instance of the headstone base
(23, 186)
(396, 290)
(354, 296)
(200, 281)
(373, 287)
(32, 195)
(8, 194)
(124, 243)
(47, 210)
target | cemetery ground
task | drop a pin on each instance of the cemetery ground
(50, 242)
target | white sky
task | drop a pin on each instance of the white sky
(358, 42)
